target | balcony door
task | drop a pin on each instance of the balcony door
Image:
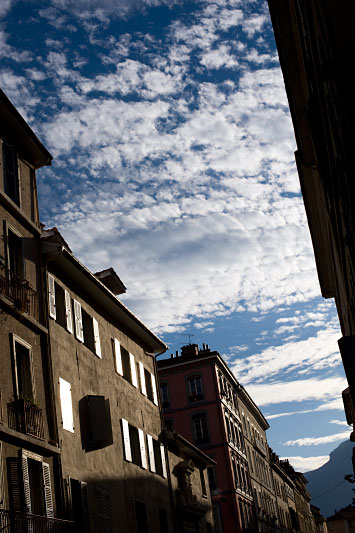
(23, 367)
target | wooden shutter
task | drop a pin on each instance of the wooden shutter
(68, 311)
(96, 337)
(154, 389)
(126, 440)
(51, 296)
(142, 448)
(103, 510)
(163, 461)
(133, 370)
(142, 378)
(118, 357)
(14, 483)
(151, 453)
(47, 490)
(66, 405)
(26, 483)
(79, 332)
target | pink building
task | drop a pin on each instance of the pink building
(199, 395)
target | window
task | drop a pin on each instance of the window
(217, 519)
(102, 498)
(195, 388)
(24, 385)
(11, 178)
(164, 393)
(203, 482)
(15, 261)
(200, 428)
(211, 473)
(66, 405)
(79, 503)
(141, 517)
(134, 445)
(151, 386)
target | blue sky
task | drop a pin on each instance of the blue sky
(173, 163)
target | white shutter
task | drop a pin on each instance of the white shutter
(142, 447)
(142, 378)
(68, 312)
(26, 483)
(151, 453)
(163, 462)
(51, 290)
(96, 337)
(154, 389)
(47, 490)
(117, 348)
(66, 405)
(133, 370)
(79, 333)
(126, 440)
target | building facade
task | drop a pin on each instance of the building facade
(203, 401)
(29, 450)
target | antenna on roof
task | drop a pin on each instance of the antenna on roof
(189, 335)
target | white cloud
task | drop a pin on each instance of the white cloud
(315, 441)
(305, 464)
(339, 422)
(333, 405)
(297, 391)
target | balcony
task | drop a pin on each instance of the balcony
(19, 292)
(25, 417)
(16, 522)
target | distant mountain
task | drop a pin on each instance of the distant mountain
(326, 484)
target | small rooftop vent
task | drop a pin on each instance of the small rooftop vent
(109, 278)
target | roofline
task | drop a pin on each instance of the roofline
(161, 347)
(47, 157)
(240, 388)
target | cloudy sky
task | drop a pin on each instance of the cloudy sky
(173, 163)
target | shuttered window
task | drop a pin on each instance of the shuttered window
(96, 337)
(133, 370)
(68, 312)
(66, 405)
(26, 484)
(79, 332)
(154, 389)
(163, 461)
(126, 440)
(47, 490)
(151, 453)
(51, 296)
(118, 357)
(142, 448)
(142, 378)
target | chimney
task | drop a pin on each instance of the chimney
(189, 349)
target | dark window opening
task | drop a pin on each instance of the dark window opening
(135, 446)
(148, 384)
(211, 478)
(60, 305)
(195, 389)
(203, 482)
(163, 521)
(11, 182)
(126, 365)
(23, 372)
(141, 517)
(200, 428)
(157, 458)
(15, 254)
(80, 505)
(164, 395)
(35, 474)
(88, 328)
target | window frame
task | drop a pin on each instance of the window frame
(194, 396)
(17, 339)
(205, 439)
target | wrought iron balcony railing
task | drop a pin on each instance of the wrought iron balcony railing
(19, 291)
(16, 522)
(26, 417)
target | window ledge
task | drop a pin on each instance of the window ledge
(15, 210)
(10, 435)
(23, 316)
